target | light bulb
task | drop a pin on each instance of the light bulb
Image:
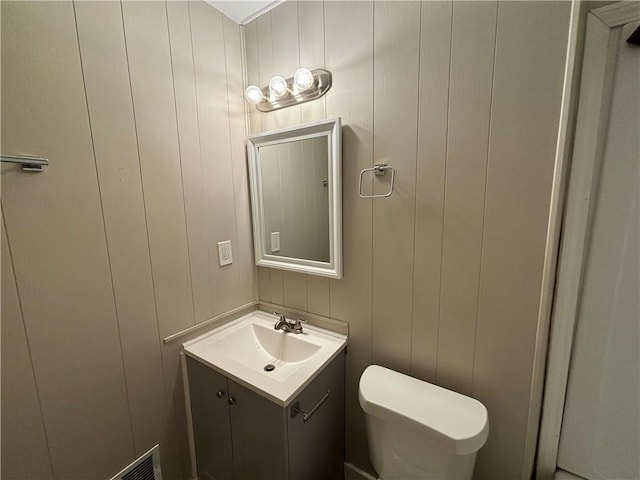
(253, 94)
(303, 79)
(278, 86)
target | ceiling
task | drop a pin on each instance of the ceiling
(243, 11)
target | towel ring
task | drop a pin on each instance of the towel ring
(379, 169)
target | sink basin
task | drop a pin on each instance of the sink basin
(257, 346)
(273, 363)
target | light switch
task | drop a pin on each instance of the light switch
(225, 255)
(275, 242)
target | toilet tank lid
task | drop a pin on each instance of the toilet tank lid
(454, 421)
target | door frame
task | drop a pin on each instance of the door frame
(600, 53)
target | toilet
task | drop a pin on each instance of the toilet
(417, 430)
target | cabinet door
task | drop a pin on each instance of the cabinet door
(316, 447)
(211, 423)
(259, 436)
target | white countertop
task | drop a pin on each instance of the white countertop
(240, 349)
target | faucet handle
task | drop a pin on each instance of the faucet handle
(297, 326)
(281, 315)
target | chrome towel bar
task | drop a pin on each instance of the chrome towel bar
(30, 163)
(306, 416)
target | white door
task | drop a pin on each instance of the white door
(600, 435)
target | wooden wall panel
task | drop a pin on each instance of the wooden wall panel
(265, 64)
(435, 56)
(155, 113)
(213, 111)
(295, 290)
(103, 262)
(251, 61)
(193, 185)
(395, 128)
(234, 59)
(472, 47)
(264, 284)
(349, 56)
(311, 54)
(25, 453)
(55, 225)
(276, 282)
(106, 80)
(286, 54)
(318, 295)
(524, 123)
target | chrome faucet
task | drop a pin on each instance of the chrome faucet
(288, 326)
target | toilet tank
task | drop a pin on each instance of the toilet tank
(417, 430)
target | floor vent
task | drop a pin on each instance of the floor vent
(147, 467)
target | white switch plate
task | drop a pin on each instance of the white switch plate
(275, 242)
(225, 255)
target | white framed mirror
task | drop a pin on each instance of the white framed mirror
(296, 198)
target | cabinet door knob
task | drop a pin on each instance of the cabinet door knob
(232, 401)
(220, 394)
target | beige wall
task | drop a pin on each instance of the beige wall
(441, 280)
(113, 247)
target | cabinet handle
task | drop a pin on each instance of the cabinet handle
(232, 401)
(306, 416)
(220, 394)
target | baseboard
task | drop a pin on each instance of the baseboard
(351, 472)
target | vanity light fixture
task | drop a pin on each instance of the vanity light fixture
(304, 86)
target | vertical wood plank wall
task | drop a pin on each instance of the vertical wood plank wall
(139, 107)
(441, 280)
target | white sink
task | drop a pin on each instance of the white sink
(256, 346)
(243, 348)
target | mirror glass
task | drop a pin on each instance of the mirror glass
(295, 192)
(296, 198)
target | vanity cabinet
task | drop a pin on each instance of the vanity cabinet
(211, 421)
(239, 434)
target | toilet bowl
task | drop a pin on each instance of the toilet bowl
(417, 430)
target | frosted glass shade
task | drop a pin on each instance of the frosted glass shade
(303, 79)
(253, 94)
(278, 86)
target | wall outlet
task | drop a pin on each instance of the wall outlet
(225, 255)
(275, 242)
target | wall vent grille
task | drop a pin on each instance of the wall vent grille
(147, 467)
